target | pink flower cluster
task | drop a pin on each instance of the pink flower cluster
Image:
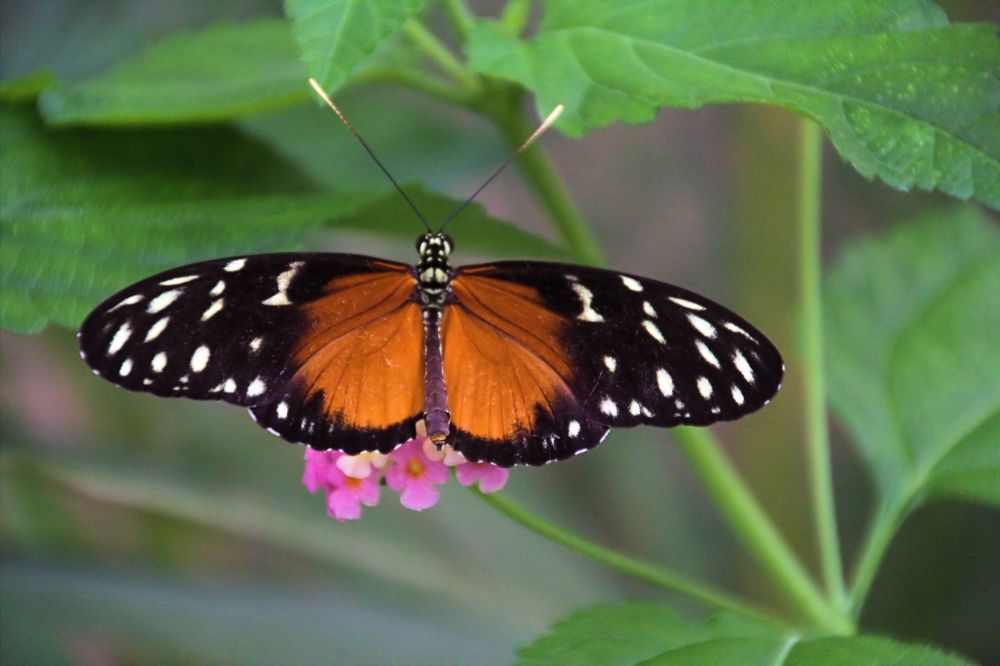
(414, 470)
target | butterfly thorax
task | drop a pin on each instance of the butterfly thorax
(433, 270)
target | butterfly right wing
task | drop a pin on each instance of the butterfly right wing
(320, 347)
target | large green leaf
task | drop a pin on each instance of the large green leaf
(337, 36)
(903, 95)
(912, 320)
(629, 634)
(218, 73)
(86, 212)
(55, 614)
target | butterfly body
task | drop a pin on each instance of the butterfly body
(514, 362)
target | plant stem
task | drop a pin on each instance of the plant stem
(461, 17)
(811, 352)
(753, 526)
(538, 169)
(631, 566)
(442, 57)
(425, 83)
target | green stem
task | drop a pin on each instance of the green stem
(811, 351)
(461, 18)
(887, 521)
(538, 169)
(432, 47)
(425, 83)
(753, 526)
(633, 567)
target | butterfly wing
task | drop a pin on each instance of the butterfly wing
(325, 349)
(541, 359)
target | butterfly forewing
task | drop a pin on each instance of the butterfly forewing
(244, 330)
(628, 350)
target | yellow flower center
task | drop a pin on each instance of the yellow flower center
(415, 468)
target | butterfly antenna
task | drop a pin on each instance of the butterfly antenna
(329, 103)
(552, 117)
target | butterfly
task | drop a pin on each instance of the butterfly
(510, 362)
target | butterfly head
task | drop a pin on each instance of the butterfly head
(433, 270)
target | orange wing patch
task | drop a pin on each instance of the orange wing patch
(364, 350)
(502, 358)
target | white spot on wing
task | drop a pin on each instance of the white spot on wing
(173, 282)
(574, 428)
(737, 395)
(740, 361)
(281, 411)
(610, 363)
(156, 329)
(131, 300)
(125, 368)
(702, 326)
(609, 407)
(645, 412)
(706, 353)
(229, 386)
(219, 287)
(159, 362)
(163, 300)
(634, 408)
(705, 387)
(653, 331)
(665, 382)
(736, 329)
(255, 344)
(284, 282)
(120, 338)
(235, 265)
(199, 359)
(684, 303)
(257, 387)
(648, 309)
(631, 283)
(212, 309)
(586, 297)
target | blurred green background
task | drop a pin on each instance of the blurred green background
(135, 529)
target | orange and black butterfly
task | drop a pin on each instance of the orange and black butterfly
(513, 362)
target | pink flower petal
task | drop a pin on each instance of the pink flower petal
(490, 477)
(419, 496)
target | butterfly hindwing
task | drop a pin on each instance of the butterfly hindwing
(626, 350)
(240, 329)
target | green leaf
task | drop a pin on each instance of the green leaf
(218, 73)
(86, 212)
(911, 325)
(652, 635)
(27, 88)
(337, 36)
(903, 95)
(474, 228)
(53, 614)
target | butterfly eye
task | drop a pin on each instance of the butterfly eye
(422, 245)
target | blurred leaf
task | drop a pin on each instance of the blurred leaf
(336, 36)
(222, 72)
(68, 613)
(86, 212)
(476, 230)
(26, 88)
(903, 95)
(911, 323)
(869, 650)
(628, 634)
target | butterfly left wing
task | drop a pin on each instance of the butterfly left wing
(325, 349)
(541, 359)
